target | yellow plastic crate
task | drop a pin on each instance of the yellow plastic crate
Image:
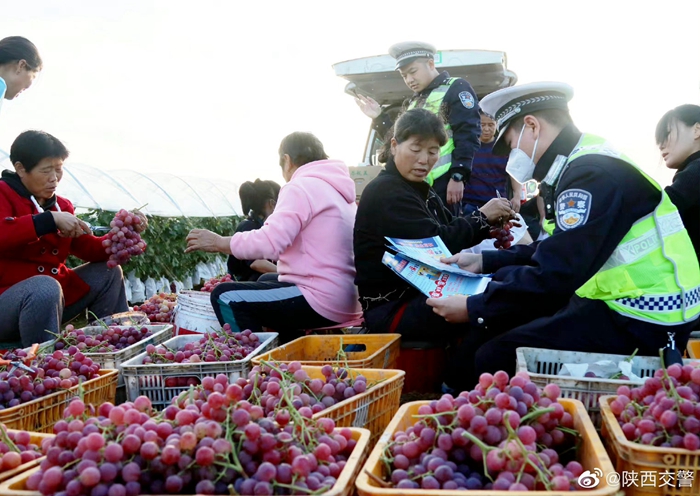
(373, 409)
(36, 438)
(592, 456)
(41, 414)
(343, 487)
(381, 351)
(628, 456)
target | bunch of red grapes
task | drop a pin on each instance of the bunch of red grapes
(501, 436)
(215, 281)
(158, 308)
(664, 411)
(224, 346)
(123, 241)
(16, 448)
(50, 373)
(219, 446)
(502, 236)
(112, 338)
(279, 388)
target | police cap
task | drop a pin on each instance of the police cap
(508, 104)
(408, 51)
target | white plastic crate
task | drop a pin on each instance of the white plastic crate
(114, 359)
(150, 379)
(543, 366)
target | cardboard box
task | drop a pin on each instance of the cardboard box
(362, 177)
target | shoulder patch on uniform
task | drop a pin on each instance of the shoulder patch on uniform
(573, 208)
(467, 99)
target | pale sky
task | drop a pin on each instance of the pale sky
(210, 88)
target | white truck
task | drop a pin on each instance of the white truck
(486, 71)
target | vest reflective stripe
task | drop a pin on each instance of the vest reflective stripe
(434, 104)
(653, 274)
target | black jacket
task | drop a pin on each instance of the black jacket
(240, 269)
(685, 195)
(462, 114)
(537, 280)
(394, 207)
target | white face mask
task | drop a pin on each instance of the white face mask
(520, 166)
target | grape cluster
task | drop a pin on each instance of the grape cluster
(223, 445)
(664, 411)
(500, 436)
(224, 346)
(158, 308)
(289, 385)
(502, 236)
(59, 370)
(16, 448)
(123, 241)
(215, 281)
(113, 338)
(279, 388)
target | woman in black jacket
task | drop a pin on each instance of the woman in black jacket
(400, 204)
(258, 200)
(678, 137)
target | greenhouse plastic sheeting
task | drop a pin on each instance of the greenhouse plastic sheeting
(165, 195)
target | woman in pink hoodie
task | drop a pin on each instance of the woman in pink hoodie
(310, 233)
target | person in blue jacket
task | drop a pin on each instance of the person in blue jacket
(454, 99)
(596, 285)
(19, 64)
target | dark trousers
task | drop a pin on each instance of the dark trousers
(440, 187)
(279, 306)
(583, 325)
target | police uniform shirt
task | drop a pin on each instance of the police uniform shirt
(537, 280)
(461, 108)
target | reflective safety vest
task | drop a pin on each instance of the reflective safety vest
(653, 274)
(434, 104)
(548, 226)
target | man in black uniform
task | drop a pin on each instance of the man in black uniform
(453, 98)
(588, 287)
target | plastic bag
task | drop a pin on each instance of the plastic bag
(187, 283)
(127, 290)
(150, 287)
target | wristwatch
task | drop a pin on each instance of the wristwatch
(458, 176)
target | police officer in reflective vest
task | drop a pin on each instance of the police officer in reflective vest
(619, 271)
(453, 98)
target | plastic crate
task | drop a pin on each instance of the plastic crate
(381, 351)
(628, 456)
(592, 456)
(372, 409)
(344, 486)
(36, 438)
(149, 379)
(114, 359)
(41, 414)
(543, 366)
(693, 348)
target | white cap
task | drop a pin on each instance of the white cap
(408, 51)
(510, 103)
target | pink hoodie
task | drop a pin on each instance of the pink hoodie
(310, 233)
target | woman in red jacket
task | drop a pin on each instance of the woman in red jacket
(38, 231)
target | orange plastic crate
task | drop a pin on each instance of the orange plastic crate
(373, 409)
(36, 438)
(592, 456)
(693, 348)
(345, 486)
(628, 456)
(41, 414)
(381, 351)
